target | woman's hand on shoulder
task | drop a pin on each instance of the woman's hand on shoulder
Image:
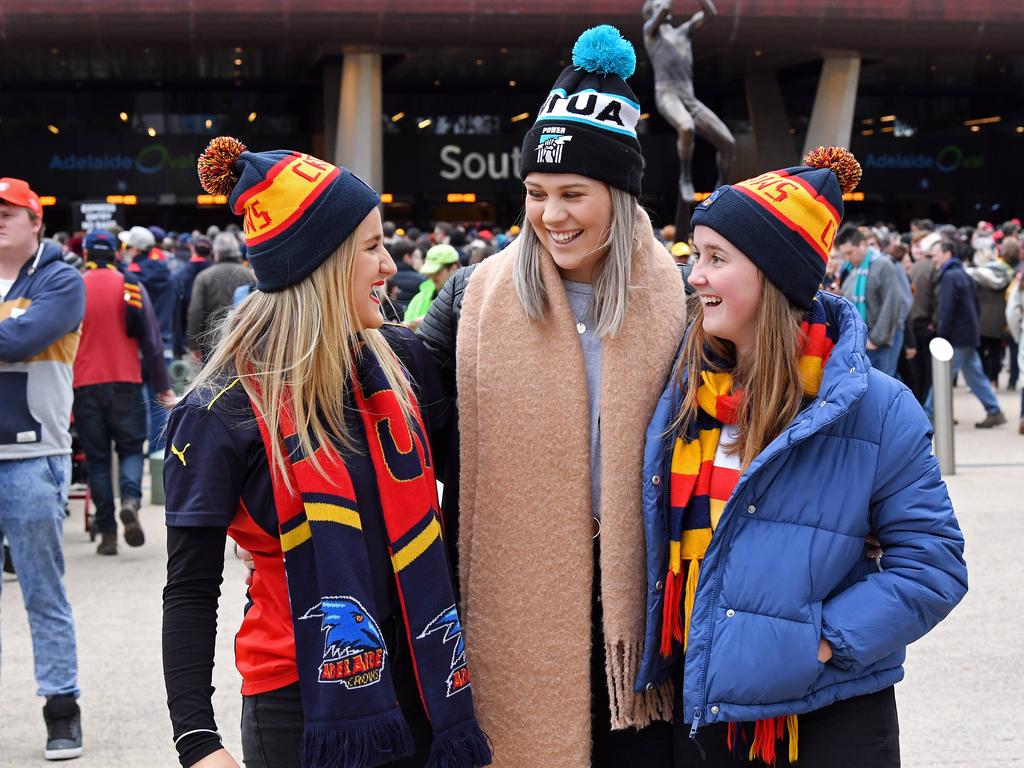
(219, 759)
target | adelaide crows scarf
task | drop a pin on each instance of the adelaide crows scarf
(698, 493)
(352, 718)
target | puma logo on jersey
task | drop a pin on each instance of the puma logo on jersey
(180, 454)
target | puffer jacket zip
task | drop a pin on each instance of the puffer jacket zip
(730, 517)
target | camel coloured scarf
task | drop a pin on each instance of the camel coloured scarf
(526, 529)
(352, 717)
(698, 493)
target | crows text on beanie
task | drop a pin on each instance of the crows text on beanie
(587, 124)
(785, 221)
(297, 209)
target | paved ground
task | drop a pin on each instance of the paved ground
(962, 703)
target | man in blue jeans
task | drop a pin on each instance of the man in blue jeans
(42, 301)
(957, 320)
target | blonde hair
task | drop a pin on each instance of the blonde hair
(611, 278)
(302, 343)
(769, 378)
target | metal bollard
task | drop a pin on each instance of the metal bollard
(942, 402)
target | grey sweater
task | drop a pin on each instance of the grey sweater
(885, 300)
(212, 292)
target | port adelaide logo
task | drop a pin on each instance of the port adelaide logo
(552, 142)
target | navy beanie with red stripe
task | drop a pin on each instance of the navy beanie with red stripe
(786, 221)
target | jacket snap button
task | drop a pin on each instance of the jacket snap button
(730, 613)
(751, 509)
(649, 687)
(714, 710)
(853, 370)
(656, 480)
(660, 585)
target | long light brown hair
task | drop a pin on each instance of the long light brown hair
(303, 342)
(769, 377)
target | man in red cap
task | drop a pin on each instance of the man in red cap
(42, 301)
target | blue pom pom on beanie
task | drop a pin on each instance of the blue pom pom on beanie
(604, 51)
(587, 123)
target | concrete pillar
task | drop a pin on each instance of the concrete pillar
(832, 117)
(331, 97)
(358, 139)
(774, 146)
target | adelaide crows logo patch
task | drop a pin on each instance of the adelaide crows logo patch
(354, 651)
(448, 622)
(706, 203)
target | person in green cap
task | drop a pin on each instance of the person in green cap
(439, 264)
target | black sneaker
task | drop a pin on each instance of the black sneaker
(130, 517)
(992, 420)
(63, 728)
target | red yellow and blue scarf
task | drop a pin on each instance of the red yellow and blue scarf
(698, 493)
(352, 717)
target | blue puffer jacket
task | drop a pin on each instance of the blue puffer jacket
(786, 564)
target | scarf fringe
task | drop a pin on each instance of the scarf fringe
(677, 608)
(371, 741)
(465, 746)
(630, 708)
(671, 620)
(768, 732)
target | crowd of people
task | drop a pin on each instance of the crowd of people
(623, 466)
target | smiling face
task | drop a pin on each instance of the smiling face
(729, 287)
(371, 268)
(572, 216)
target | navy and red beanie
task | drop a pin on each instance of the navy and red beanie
(785, 221)
(297, 209)
(587, 123)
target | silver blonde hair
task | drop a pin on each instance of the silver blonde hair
(611, 277)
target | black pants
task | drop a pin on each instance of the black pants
(272, 722)
(649, 747)
(921, 365)
(863, 732)
(105, 413)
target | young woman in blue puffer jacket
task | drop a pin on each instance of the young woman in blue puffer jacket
(775, 451)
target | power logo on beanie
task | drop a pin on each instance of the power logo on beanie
(785, 221)
(552, 141)
(587, 123)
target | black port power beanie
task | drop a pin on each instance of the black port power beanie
(587, 123)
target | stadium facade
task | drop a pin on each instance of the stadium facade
(429, 101)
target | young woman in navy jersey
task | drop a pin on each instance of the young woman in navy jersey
(306, 440)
